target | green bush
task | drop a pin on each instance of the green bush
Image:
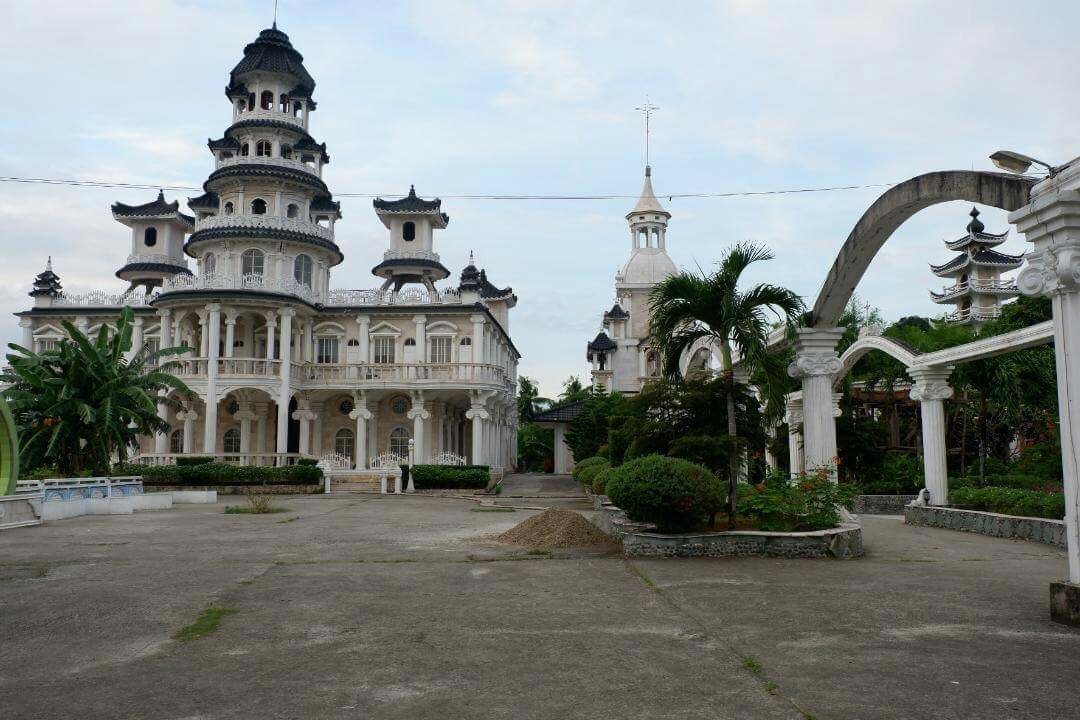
(205, 474)
(712, 452)
(806, 503)
(436, 477)
(1010, 501)
(601, 479)
(900, 474)
(194, 460)
(587, 469)
(307, 461)
(1012, 480)
(675, 495)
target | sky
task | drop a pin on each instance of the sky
(510, 97)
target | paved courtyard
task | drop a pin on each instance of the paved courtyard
(367, 606)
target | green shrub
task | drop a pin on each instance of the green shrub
(433, 477)
(307, 461)
(675, 495)
(1012, 480)
(900, 474)
(1010, 501)
(204, 474)
(806, 503)
(712, 452)
(601, 479)
(587, 469)
(194, 460)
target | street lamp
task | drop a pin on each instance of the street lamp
(1018, 163)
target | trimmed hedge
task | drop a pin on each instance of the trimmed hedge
(196, 460)
(675, 495)
(601, 479)
(204, 474)
(587, 469)
(441, 477)
(1010, 501)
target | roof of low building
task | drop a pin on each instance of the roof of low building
(562, 413)
(154, 209)
(272, 52)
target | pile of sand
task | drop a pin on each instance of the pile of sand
(554, 528)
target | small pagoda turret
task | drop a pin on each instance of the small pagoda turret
(978, 290)
(46, 286)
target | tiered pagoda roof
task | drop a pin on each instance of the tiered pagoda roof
(47, 283)
(272, 52)
(157, 208)
(976, 251)
(616, 313)
(602, 343)
(411, 204)
(473, 278)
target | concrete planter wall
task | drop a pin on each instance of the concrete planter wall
(642, 540)
(1049, 532)
(240, 489)
(881, 504)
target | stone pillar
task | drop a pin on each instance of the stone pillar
(478, 415)
(305, 416)
(230, 332)
(316, 429)
(212, 333)
(245, 416)
(271, 327)
(363, 323)
(189, 417)
(161, 440)
(204, 344)
(307, 356)
(27, 326)
(932, 389)
(421, 338)
(137, 341)
(1052, 223)
(284, 394)
(477, 338)
(816, 362)
(794, 419)
(261, 409)
(361, 415)
(418, 414)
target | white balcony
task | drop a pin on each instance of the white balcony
(314, 376)
(411, 255)
(159, 258)
(409, 296)
(254, 282)
(277, 115)
(100, 298)
(265, 222)
(973, 314)
(988, 287)
(290, 163)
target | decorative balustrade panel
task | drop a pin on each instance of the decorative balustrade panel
(100, 298)
(290, 163)
(335, 461)
(402, 373)
(411, 255)
(388, 461)
(252, 281)
(279, 116)
(158, 258)
(410, 296)
(248, 367)
(265, 222)
(447, 458)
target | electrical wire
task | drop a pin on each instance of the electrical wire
(502, 196)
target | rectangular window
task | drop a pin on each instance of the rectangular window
(440, 349)
(327, 351)
(152, 346)
(384, 350)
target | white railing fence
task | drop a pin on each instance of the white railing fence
(447, 458)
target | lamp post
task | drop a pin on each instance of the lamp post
(412, 454)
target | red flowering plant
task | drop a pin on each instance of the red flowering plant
(810, 501)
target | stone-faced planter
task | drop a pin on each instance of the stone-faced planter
(1049, 532)
(881, 504)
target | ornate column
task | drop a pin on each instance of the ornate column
(161, 440)
(477, 414)
(212, 333)
(421, 338)
(261, 409)
(794, 419)
(317, 429)
(271, 326)
(363, 326)
(477, 338)
(230, 332)
(305, 416)
(307, 356)
(245, 416)
(27, 326)
(932, 389)
(361, 415)
(1052, 223)
(204, 345)
(418, 414)
(189, 417)
(137, 341)
(284, 394)
(815, 363)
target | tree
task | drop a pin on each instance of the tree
(77, 405)
(573, 391)
(529, 400)
(689, 307)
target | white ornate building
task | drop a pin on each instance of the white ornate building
(978, 288)
(621, 357)
(283, 366)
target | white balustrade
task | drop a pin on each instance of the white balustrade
(252, 281)
(277, 115)
(290, 163)
(265, 222)
(101, 298)
(312, 375)
(388, 461)
(411, 255)
(410, 296)
(987, 286)
(447, 458)
(159, 258)
(252, 458)
(973, 314)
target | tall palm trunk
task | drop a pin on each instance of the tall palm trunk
(733, 430)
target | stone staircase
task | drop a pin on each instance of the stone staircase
(355, 482)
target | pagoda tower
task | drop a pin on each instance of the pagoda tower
(978, 288)
(158, 230)
(412, 222)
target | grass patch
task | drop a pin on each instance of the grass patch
(771, 688)
(242, 510)
(492, 509)
(645, 578)
(539, 551)
(752, 665)
(205, 624)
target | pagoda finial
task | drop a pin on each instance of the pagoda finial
(471, 260)
(161, 195)
(975, 226)
(48, 264)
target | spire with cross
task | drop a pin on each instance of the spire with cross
(647, 110)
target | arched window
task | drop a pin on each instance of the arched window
(176, 441)
(209, 264)
(150, 237)
(408, 231)
(286, 152)
(230, 441)
(466, 341)
(302, 270)
(251, 101)
(284, 103)
(266, 100)
(258, 206)
(293, 210)
(409, 342)
(399, 442)
(251, 262)
(228, 208)
(343, 443)
(263, 148)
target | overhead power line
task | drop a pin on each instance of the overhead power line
(499, 196)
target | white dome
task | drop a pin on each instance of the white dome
(647, 266)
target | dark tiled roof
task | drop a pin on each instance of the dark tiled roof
(47, 282)
(272, 52)
(152, 267)
(272, 171)
(266, 123)
(976, 235)
(218, 233)
(325, 203)
(602, 343)
(979, 257)
(411, 262)
(307, 143)
(225, 143)
(156, 208)
(410, 204)
(488, 289)
(616, 313)
(563, 413)
(207, 201)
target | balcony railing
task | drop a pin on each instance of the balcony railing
(318, 375)
(976, 314)
(410, 296)
(411, 255)
(159, 258)
(982, 286)
(278, 115)
(100, 298)
(251, 458)
(265, 222)
(251, 281)
(291, 163)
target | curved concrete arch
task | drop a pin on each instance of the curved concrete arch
(873, 342)
(892, 209)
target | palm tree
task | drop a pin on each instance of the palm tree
(688, 307)
(529, 400)
(78, 404)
